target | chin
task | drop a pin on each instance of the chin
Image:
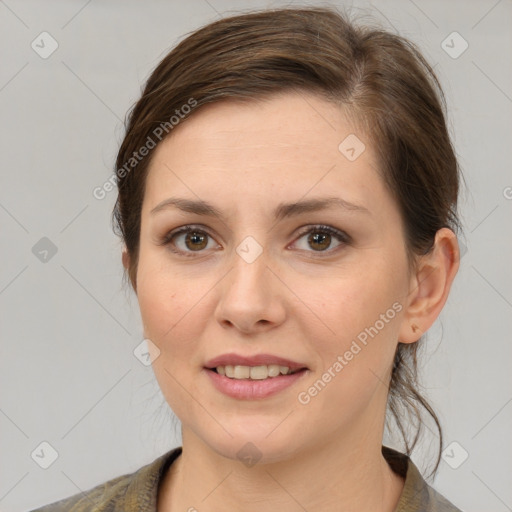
(255, 445)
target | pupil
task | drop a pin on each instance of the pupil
(319, 238)
(195, 238)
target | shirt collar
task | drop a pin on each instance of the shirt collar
(142, 492)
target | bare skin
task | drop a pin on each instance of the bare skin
(298, 299)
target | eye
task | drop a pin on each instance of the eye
(191, 238)
(320, 238)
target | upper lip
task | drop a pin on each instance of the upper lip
(256, 360)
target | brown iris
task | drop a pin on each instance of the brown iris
(198, 239)
(323, 239)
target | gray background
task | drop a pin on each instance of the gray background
(68, 374)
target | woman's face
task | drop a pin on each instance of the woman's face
(265, 278)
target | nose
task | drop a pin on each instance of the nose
(251, 296)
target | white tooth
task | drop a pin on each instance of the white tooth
(273, 370)
(241, 372)
(284, 370)
(259, 372)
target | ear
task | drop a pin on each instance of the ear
(126, 264)
(126, 258)
(430, 285)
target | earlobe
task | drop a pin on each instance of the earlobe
(430, 286)
(127, 265)
(125, 258)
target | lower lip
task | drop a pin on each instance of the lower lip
(248, 389)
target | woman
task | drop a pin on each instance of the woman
(287, 200)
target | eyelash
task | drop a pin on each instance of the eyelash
(320, 228)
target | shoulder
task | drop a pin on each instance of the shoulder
(102, 498)
(417, 494)
(129, 492)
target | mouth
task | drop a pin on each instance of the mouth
(255, 377)
(257, 367)
(259, 372)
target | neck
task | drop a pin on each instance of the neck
(349, 475)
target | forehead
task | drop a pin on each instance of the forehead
(284, 120)
(283, 147)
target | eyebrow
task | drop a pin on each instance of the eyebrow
(282, 211)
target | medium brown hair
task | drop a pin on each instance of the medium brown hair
(379, 79)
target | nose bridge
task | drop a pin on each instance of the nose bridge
(251, 254)
(249, 298)
(250, 262)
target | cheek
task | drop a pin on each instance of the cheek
(166, 300)
(360, 316)
(352, 302)
(355, 360)
(173, 320)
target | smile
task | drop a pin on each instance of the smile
(254, 372)
(248, 388)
